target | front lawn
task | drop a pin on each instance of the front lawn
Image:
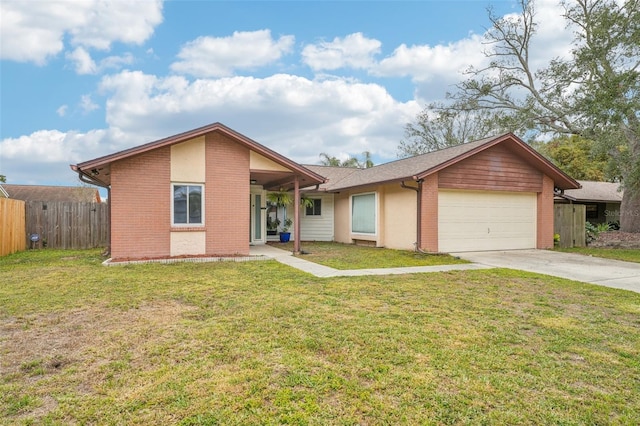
(262, 343)
(628, 255)
(350, 256)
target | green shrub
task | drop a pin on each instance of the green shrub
(592, 232)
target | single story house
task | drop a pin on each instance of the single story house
(198, 193)
(602, 200)
(204, 192)
(47, 193)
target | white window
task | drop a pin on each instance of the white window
(363, 213)
(315, 209)
(188, 204)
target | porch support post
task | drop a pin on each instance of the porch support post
(296, 216)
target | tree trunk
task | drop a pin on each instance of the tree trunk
(630, 210)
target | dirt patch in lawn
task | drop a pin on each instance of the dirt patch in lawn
(80, 344)
(617, 239)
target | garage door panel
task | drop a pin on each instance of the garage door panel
(483, 220)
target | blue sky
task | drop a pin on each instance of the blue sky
(82, 78)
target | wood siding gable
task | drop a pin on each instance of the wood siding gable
(495, 169)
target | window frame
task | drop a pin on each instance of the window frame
(375, 214)
(202, 204)
(314, 214)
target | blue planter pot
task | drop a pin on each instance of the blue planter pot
(285, 236)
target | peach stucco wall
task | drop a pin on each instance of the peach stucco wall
(396, 217)
(400, 217)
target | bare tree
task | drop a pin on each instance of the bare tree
(594, 93)
(438, 127)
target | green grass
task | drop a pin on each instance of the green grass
(262, 343)
(628, 255)
(349, 256)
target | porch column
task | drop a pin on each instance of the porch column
(296, 216)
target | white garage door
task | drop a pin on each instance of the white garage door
(483, 220)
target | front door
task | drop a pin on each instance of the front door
(257, 228)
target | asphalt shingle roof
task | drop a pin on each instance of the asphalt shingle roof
(596, 191)
(52, 193)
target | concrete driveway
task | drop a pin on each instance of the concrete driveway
(594, 270)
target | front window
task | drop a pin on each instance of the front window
(315, 209)
(187, 204)
(363, 214)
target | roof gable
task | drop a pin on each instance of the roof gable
(421, 166)
(98, 169)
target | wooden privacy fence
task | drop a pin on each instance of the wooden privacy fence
(569, 222)
(12, 226)
(67, 225)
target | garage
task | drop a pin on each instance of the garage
(486, 220)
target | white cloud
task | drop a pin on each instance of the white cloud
(116, 62)
(62, 111)
(87, 105)
(295, 116)
(354, 51)
(220, 56)
(82, 61)
(84, 64)
(423, 62)
(291, 114)
(45, 155)
(35, 31)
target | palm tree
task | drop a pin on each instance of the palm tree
(328, 160)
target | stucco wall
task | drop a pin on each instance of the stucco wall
(400, 217)
(188, 161)
(396, 217)
(342, 218)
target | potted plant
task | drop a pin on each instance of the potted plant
(285, 235)
(272, 225)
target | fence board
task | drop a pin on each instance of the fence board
(12, 226)
(569, 223)
(68, 225)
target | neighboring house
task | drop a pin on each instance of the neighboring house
(204, 192)
(198, 193)
(52, 193)
(3, 192)
(492, 194)
(602, 200)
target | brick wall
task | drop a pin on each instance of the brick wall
(545, 215)
(226, 196)
(140, 205)
(429, 216)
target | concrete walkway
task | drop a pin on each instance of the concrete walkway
(287, 258)
(578, 267)
(588, 269)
